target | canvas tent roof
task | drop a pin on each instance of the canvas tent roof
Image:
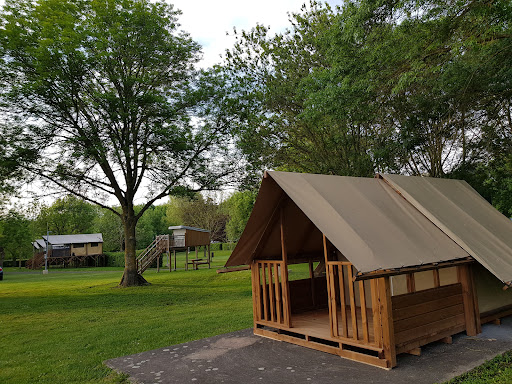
(74, 239)
(463, 215)
(364, 218)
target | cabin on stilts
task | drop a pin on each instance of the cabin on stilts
(182, 239)
(81, 250)
(368, 268)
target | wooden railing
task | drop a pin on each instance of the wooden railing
(361, 322)
(155, 249)
(270, 291)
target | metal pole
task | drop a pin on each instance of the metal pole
(45, 272)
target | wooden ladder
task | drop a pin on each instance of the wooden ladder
(155, 249)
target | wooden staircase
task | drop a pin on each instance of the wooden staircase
(35, 262)
(154, 250)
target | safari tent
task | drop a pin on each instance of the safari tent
(368, 268)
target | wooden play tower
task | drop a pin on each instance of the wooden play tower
(182, 239)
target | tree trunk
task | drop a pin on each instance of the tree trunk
(130, 276)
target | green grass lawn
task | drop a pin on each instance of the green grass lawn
(59, 328)
(495, 371)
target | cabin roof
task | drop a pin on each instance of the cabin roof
(39, 243)
(389, 222)
(74, 239)
(189, 228)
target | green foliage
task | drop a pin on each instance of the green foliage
(105, 92)
(86, 320)
(15, 235)
(199, 212)
(111, 227)
(66, 216)
(416, 87)
(238, 208)
(151, 224)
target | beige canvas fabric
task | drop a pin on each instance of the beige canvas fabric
(365, 219)
(465, 216)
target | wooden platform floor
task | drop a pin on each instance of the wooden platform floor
(316, 324)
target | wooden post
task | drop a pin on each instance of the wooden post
(186, 259)
(158, 263)
(471, 312)
(265, 296)
(386, 316)
(364, 320)
(174, 259)
(376, 313)
(277, 292)
(312, 285)
(209, 256)
(343, 304)
(257, 286)
(284, 274)
(169, 251)
(351, 292)
(411, 283)
(255, 291)
(331, 295)
(271, 296)
(437, 282)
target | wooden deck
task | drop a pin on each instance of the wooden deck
(312, 330)
(316, 324)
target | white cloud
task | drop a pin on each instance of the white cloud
(208, 21)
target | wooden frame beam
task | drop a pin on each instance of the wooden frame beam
(413, 269)
(268, 228)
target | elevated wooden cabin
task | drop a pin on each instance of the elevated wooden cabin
(370, 268)
(184, 237)
(80, 249)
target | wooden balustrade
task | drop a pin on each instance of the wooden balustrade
(351, 320)
(270, 290)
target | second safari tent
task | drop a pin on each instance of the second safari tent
(382, 277)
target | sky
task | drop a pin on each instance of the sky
(208, 21)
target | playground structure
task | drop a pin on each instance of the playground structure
(182, 239)
(68, 250)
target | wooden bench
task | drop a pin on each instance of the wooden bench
(196, 262)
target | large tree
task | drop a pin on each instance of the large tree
(107, 93)
(421, 87)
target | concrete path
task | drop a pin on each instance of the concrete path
(240, 357)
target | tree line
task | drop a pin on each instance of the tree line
(71, 215)
(412, 87)
(104, 100)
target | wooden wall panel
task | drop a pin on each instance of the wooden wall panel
(418, 317)
(195, 238)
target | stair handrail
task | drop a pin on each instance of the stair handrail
(151, 252)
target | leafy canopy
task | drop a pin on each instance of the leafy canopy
(106, 93)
